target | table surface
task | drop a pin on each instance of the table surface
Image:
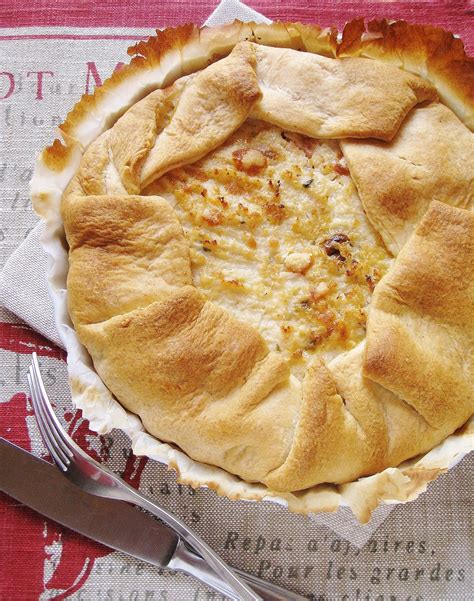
(421, 551)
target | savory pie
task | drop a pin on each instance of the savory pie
(271, 252)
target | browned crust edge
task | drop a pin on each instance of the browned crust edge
(198, 47)
(428, 51)
(431, 52)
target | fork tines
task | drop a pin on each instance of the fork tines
(50, 428)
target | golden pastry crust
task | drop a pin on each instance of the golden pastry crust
(431, 158)
(182, 123)
(197, 376)
(134, 135)
(207, 381)
(420, 333)
(325, 98)
(411, 385)
(125, 252)
(196, 48)
(329, 444)
(431, 52)
(212, 107)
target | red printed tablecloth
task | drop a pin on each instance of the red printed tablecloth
(52, 51)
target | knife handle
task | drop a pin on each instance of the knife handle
(186, 561)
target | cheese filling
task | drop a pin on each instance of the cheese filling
(278, 237)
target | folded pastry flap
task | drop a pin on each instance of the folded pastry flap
(431, 52)
(134, 134)
(329, 444)
(303, 92)
(215, 103)
(325, 98)
(206, 381)
(431, 157)
(125, 252)
(350, 427)
(170, 127)
(90, 178)
(393, 429)
(420, 330)
(409, 434)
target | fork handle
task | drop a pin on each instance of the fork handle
(186, 561)
(236, 589)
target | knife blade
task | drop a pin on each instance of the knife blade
(118, 525)
(42, 487)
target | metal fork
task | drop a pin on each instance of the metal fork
(94, 478)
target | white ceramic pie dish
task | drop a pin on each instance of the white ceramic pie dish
(393, 485)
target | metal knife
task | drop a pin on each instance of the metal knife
(39, 485)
